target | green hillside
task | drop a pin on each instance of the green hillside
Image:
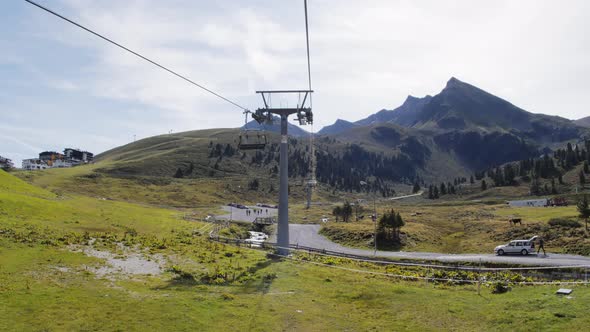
(13, 185)
(56, 256)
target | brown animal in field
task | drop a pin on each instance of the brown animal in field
(515, 221)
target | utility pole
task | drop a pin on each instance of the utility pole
(305, 116)
(374, 217)
(375, 221)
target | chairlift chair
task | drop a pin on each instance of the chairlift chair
(251, 139)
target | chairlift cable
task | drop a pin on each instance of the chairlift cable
(135, 53)
(311, 134)
(308, 61)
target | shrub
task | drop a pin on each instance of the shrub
(269, 276)
(568, 223)
(499, 288)
(181, 275)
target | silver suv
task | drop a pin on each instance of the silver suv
(523, 247)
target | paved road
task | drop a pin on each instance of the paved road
(307, 235)
(241, 215)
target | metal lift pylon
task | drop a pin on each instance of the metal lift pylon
(305, 116)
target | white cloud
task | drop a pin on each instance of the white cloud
(365, 56)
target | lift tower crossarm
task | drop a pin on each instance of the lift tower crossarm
(283, 91)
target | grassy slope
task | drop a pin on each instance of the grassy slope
(302, 298)
(459, 227)
(34, 295)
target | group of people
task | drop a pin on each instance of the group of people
(256, 211)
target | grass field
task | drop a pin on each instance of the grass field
(466, 227)
(46, 285)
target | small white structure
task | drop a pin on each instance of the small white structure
(529, 203)
(34, 164)
(38, 164)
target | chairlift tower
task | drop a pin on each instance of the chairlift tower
(305, 116)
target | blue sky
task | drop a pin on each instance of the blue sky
(62, 87)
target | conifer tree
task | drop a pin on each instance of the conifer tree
(584, 210)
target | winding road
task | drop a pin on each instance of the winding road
(307, 235)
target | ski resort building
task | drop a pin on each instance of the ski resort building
(5, 163)
(34, 164)
(51, 159)
(78, 155)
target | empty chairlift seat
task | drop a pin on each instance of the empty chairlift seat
(252, 140)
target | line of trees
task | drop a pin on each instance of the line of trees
(436, 191)
(344, 212)
(545, 167)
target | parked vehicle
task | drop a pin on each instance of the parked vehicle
(523, 247)
(257, 236)
(557, 201)
(240, 206)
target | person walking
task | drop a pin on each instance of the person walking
(541, 246)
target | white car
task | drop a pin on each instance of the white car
(523, 247)
(257, 236)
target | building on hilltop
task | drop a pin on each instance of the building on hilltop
(51, 159)
(78, 155)
(6, 163)
(34, 164)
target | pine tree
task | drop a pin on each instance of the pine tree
(416, 188)
(398, 224)
(560, 178)
(191, 168)
(484, 185)
(337, 212)
(553, 189)
(435, 193)
(586, 169)
(535, 187)
(178, 173)
(471, 180)
(443, 189)
(582, 179)
(346, 211)
(584, 210)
